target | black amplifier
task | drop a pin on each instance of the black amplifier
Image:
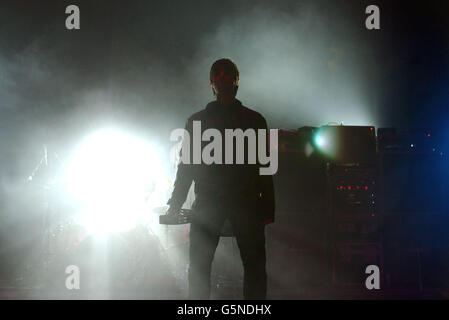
(352, 190)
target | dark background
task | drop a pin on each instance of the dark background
(145, 64)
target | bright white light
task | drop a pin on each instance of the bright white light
(327, 141)
(112, 176)
(320, 141)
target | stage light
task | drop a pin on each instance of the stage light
(325, 141)
(111, 177)
(319, 141)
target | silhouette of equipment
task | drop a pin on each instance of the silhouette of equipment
(184, 217)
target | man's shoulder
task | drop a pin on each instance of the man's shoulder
(255, 116)
(253, 113)
(198, 115)
(248, 113)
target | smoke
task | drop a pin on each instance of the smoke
(297, 67)
(144, 68)
(301, 63)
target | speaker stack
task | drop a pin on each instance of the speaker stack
(413, 187)
(346, 200)
(355, 226)
(297, 253)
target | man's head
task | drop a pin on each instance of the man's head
(224, 78)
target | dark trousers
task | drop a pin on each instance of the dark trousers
(204, 237)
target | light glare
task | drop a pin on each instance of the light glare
(111, 176)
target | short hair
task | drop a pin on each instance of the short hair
(227, 64)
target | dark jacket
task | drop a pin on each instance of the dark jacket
(226, 186)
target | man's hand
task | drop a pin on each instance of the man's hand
(173, 212)
(171, 216)
(174, 216)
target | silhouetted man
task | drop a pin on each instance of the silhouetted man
(236, 192)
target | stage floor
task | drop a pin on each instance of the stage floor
(11, 293)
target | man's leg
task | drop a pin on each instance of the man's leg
(203, 243)
(250, 238)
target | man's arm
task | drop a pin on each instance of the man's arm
(184, 178)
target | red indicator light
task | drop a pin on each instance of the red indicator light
(341, 187)
(371, 128)
(366, 187)
(428, 134)
(349, 187)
